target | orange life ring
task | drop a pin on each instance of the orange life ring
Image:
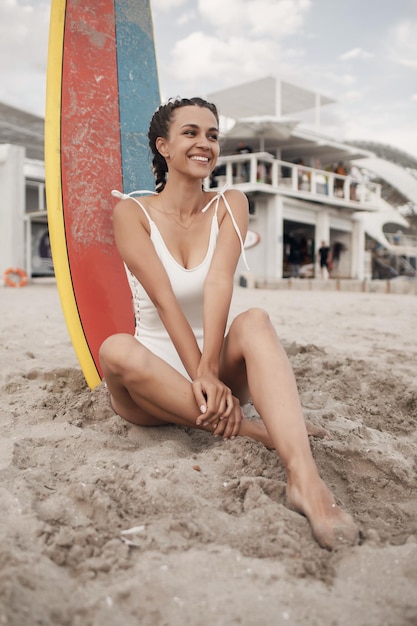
(22, 277)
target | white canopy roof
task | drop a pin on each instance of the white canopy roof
(266, 96)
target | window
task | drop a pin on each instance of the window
(35, 196)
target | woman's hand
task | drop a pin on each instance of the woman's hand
(229, 428)
(219, 409)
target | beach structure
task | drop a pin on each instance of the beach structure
(284, 165)
(297, 195)
(24, 239)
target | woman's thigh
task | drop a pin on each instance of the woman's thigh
(144, 389)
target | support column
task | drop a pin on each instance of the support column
(358, 249)
(275, 237)
(12, 207)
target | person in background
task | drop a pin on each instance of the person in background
(324, 259)
(337, 248)
(356, 179)
(243, 148)
(303, 176)
(186, 364)
(339, 183)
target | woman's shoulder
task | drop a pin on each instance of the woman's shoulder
(237, 201)
(235, 198)
(132, 210)
(134, 199)
(233, 193)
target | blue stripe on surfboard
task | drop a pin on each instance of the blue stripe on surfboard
(138, 90)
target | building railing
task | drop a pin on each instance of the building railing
(263, 168)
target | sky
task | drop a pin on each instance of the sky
(362, 53)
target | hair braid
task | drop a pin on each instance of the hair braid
(160, 170)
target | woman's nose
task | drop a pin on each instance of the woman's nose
(203, 141)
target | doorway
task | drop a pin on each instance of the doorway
(298, 250)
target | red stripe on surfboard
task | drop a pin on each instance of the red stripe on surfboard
(91, 168)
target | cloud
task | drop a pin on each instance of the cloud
(402, 47)
(388, 122)
(348, 79)
(186, 18)
(276, 18)
(24, 35)
(23, 53)
(241, 40)
(200, 58)
(200, 55)
(356, 53)
(353, 95)
(167, 5)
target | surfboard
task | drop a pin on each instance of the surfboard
(102, 89)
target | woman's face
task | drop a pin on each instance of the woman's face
(192, 146)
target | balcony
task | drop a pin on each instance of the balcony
(261, 171)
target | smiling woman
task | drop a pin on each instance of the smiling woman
(161, 132)
(180, 247)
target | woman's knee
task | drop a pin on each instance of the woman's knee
(253, 321)
(249, 327)
(117, 353)
(110, 349)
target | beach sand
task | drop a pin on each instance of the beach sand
(214, 542)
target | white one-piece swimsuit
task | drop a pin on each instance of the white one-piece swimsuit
(187, 285)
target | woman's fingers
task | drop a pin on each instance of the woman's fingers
(200, 397)
(230, 404)
(214, 400)
(228, 428)
(233, 423)
(219, 428)
(220, 411)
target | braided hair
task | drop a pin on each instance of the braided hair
(159, 127)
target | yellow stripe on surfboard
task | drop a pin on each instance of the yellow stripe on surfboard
(54, 193)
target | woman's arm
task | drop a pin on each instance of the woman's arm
(218, 291)
(131, 231)
(218, 287)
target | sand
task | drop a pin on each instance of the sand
(214, 542)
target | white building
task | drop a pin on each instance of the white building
(24, 241)
(296, 199)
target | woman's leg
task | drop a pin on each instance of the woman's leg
(254, 361)
(133, 376)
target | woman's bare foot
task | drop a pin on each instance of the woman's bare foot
(331, 526)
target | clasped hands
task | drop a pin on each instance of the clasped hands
(221, 412)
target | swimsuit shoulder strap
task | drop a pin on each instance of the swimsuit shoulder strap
(124, 196)
(221, 194)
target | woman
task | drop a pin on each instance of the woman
(181, 247)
